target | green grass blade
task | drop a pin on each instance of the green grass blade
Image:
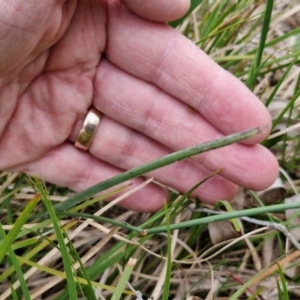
(296, 47)
(35, 250)
(216, 218)
(284, 37)
(123, 279)
(9, 239)
(229, 208)
(17, 267)
(17, 187)
(194, 222)
(13, 293)
(264, 32)
(61, 274)
(297, 86)
(100, 198)
(88, 288)
(63, 249)
(101, 219)
(22, 244)
(279, 291)
(255, 295)
(288, 106)
(189, 192)
(166, 290)
(263, 37)
(126, 225)
(284, 289)
(282, 78)
(153, 165)
(194, 4)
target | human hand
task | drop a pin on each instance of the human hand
(58, 58)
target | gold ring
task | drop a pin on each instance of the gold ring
(88, 130)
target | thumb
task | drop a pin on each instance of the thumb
(158, 10)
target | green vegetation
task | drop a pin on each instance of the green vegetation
(80, 248)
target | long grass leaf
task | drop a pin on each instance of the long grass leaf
(226, 216)
(88, 288)
(63, 275)
(282, 78)
(264, 32)
(288, 106)
(263, 37)
(23, 244)
(153, 165)
(36, 250)
(166, 289)
(9, 239)
(17, 267)
(284, 289)
(123, 279)
(229, 208)
(14, 294)
(63, 249)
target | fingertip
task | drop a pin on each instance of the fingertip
(256, 167)
(268, 172)
(264, 124)
(158, 10)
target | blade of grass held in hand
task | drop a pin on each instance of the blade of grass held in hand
(155, 164)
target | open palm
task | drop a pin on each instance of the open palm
(158, 93)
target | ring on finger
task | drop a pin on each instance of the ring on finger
(88, 130)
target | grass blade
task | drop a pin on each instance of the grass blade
(153, 165)
(288, 106)
(194, 4)
(282, 78)
(60, 274)
(283, 289)
(64, 252)
(123, 280)
(226, 216)
(18, 269)
(165, 295)
(9, 239)
(263, 37)
(264, 32)
(35, 250)
(229, 208)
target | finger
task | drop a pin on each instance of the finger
(126, 148)
(28, 27)
(158, 10)
(149, 110)
(159, 54)
(80, 48)
(69, 167)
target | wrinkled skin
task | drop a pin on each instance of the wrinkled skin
(158, 93)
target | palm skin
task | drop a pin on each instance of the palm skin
(58, 58)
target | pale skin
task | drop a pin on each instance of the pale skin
(158, 92)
